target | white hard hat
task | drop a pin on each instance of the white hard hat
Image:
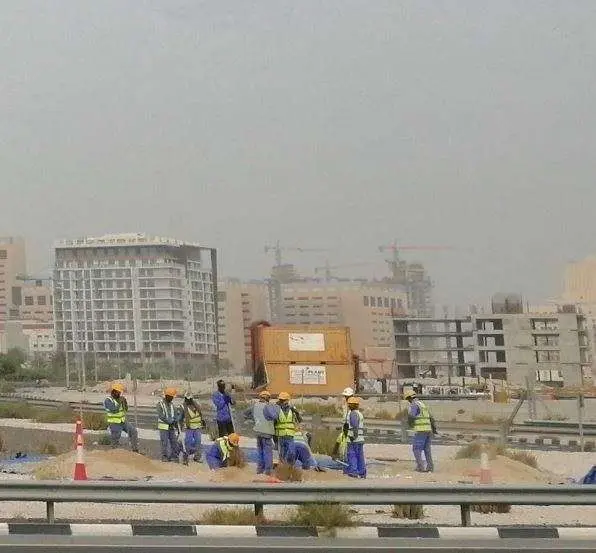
(347, 392)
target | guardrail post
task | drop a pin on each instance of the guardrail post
(466, 520)
(50, 516)
(258, 510)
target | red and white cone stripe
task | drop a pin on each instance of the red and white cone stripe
(80, 472)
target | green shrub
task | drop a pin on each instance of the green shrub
(326, 515)
(16, 411)
(323, 440)
(104, 439)
(321, 409)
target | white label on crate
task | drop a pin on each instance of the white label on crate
(308, 374)
(306, 342)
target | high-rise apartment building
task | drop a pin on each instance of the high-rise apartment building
(136, 296)
(12, 266)
(239, 305)
(366, 307)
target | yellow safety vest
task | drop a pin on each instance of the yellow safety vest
(193, 419)
(422, 421)
(224, 447)
(119, 416)
(168, 409)
(300, 438)
(284, 425)
(351, 432)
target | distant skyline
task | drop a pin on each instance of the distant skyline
(342, 124)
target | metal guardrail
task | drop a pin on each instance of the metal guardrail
(287, 494)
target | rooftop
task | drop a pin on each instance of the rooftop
(123, 239)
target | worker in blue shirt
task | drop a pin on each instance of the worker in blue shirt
(263, 414)
(218, 454)
(168, 424)
(354, 426)
(222, 401)
(301, 452)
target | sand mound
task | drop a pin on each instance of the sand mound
(504, 471)
(116, 463)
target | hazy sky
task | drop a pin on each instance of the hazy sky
(335, 124)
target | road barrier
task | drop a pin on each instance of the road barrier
(465, 496)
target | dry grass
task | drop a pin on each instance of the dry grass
(473, 451)
(48, 472)
(321, 409)
(323, 440)
(554, 416)
(411, 512)
(482, 418)
(48, 449)
(231, 516)
(325, 515)
(237, 458)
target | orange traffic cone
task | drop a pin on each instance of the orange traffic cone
(486, 476)
(80, 472)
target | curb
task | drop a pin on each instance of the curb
(363, 532)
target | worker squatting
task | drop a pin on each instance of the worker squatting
(276, 426)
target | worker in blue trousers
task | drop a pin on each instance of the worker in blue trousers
(194, 422)
(263, 415)
(218, 454)
(116, 410)
(422, 423)
(301, 453)
(168, 423)
(354, 426)
(285, 427)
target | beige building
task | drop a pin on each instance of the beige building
(367, 308)
(12, 265)
(36, 302)
(239, 305)
(580, 284)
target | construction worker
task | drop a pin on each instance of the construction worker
(301, 452)
(354, 426)
(285, 427)
(222, 401)
(263, 414)
(116, 408)
(341, 444)
(219, 453)
(421, 422)
(168, 424)
(346, 394)
(193, 423)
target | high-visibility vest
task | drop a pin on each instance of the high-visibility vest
(168, 410)
(422, 421)
(351, 432)
(262, 425)
(299, 437)
(285, 425)
(117, 417)
(193, 418)
(224, 448)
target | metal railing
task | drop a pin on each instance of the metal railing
(293, 494)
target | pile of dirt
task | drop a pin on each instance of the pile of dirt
(504, 471)
(116, 463)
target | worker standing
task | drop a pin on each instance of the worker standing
(285, 427)
(421, 422)
(219, 453)
(341, 444)
(346, 395)
(354, 427)
(263, 414)
(168, 419)
(116, 409)
(193, 423)
(222, 401)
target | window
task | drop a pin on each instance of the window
(3, 254)
(373, 303)
(386, 300)
(28, 300)
(547, 340)
(379, 302)
(547, 356)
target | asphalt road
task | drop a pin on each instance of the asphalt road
(55, 544)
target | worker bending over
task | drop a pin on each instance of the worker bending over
(354, 426)
(263, 414)
(193, 423)
(421, 422)
(218, 454)
(168, 424)
(301, 452)
(285, 427)
(116, 409)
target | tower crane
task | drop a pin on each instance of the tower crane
(397, 266)
(278, 251)
(327, 269)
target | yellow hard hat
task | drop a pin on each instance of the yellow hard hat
(234, 439)
(283, 396)
(117, 387)
(353, 400)
(172, 392)
(409, 394)
(265, 394)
